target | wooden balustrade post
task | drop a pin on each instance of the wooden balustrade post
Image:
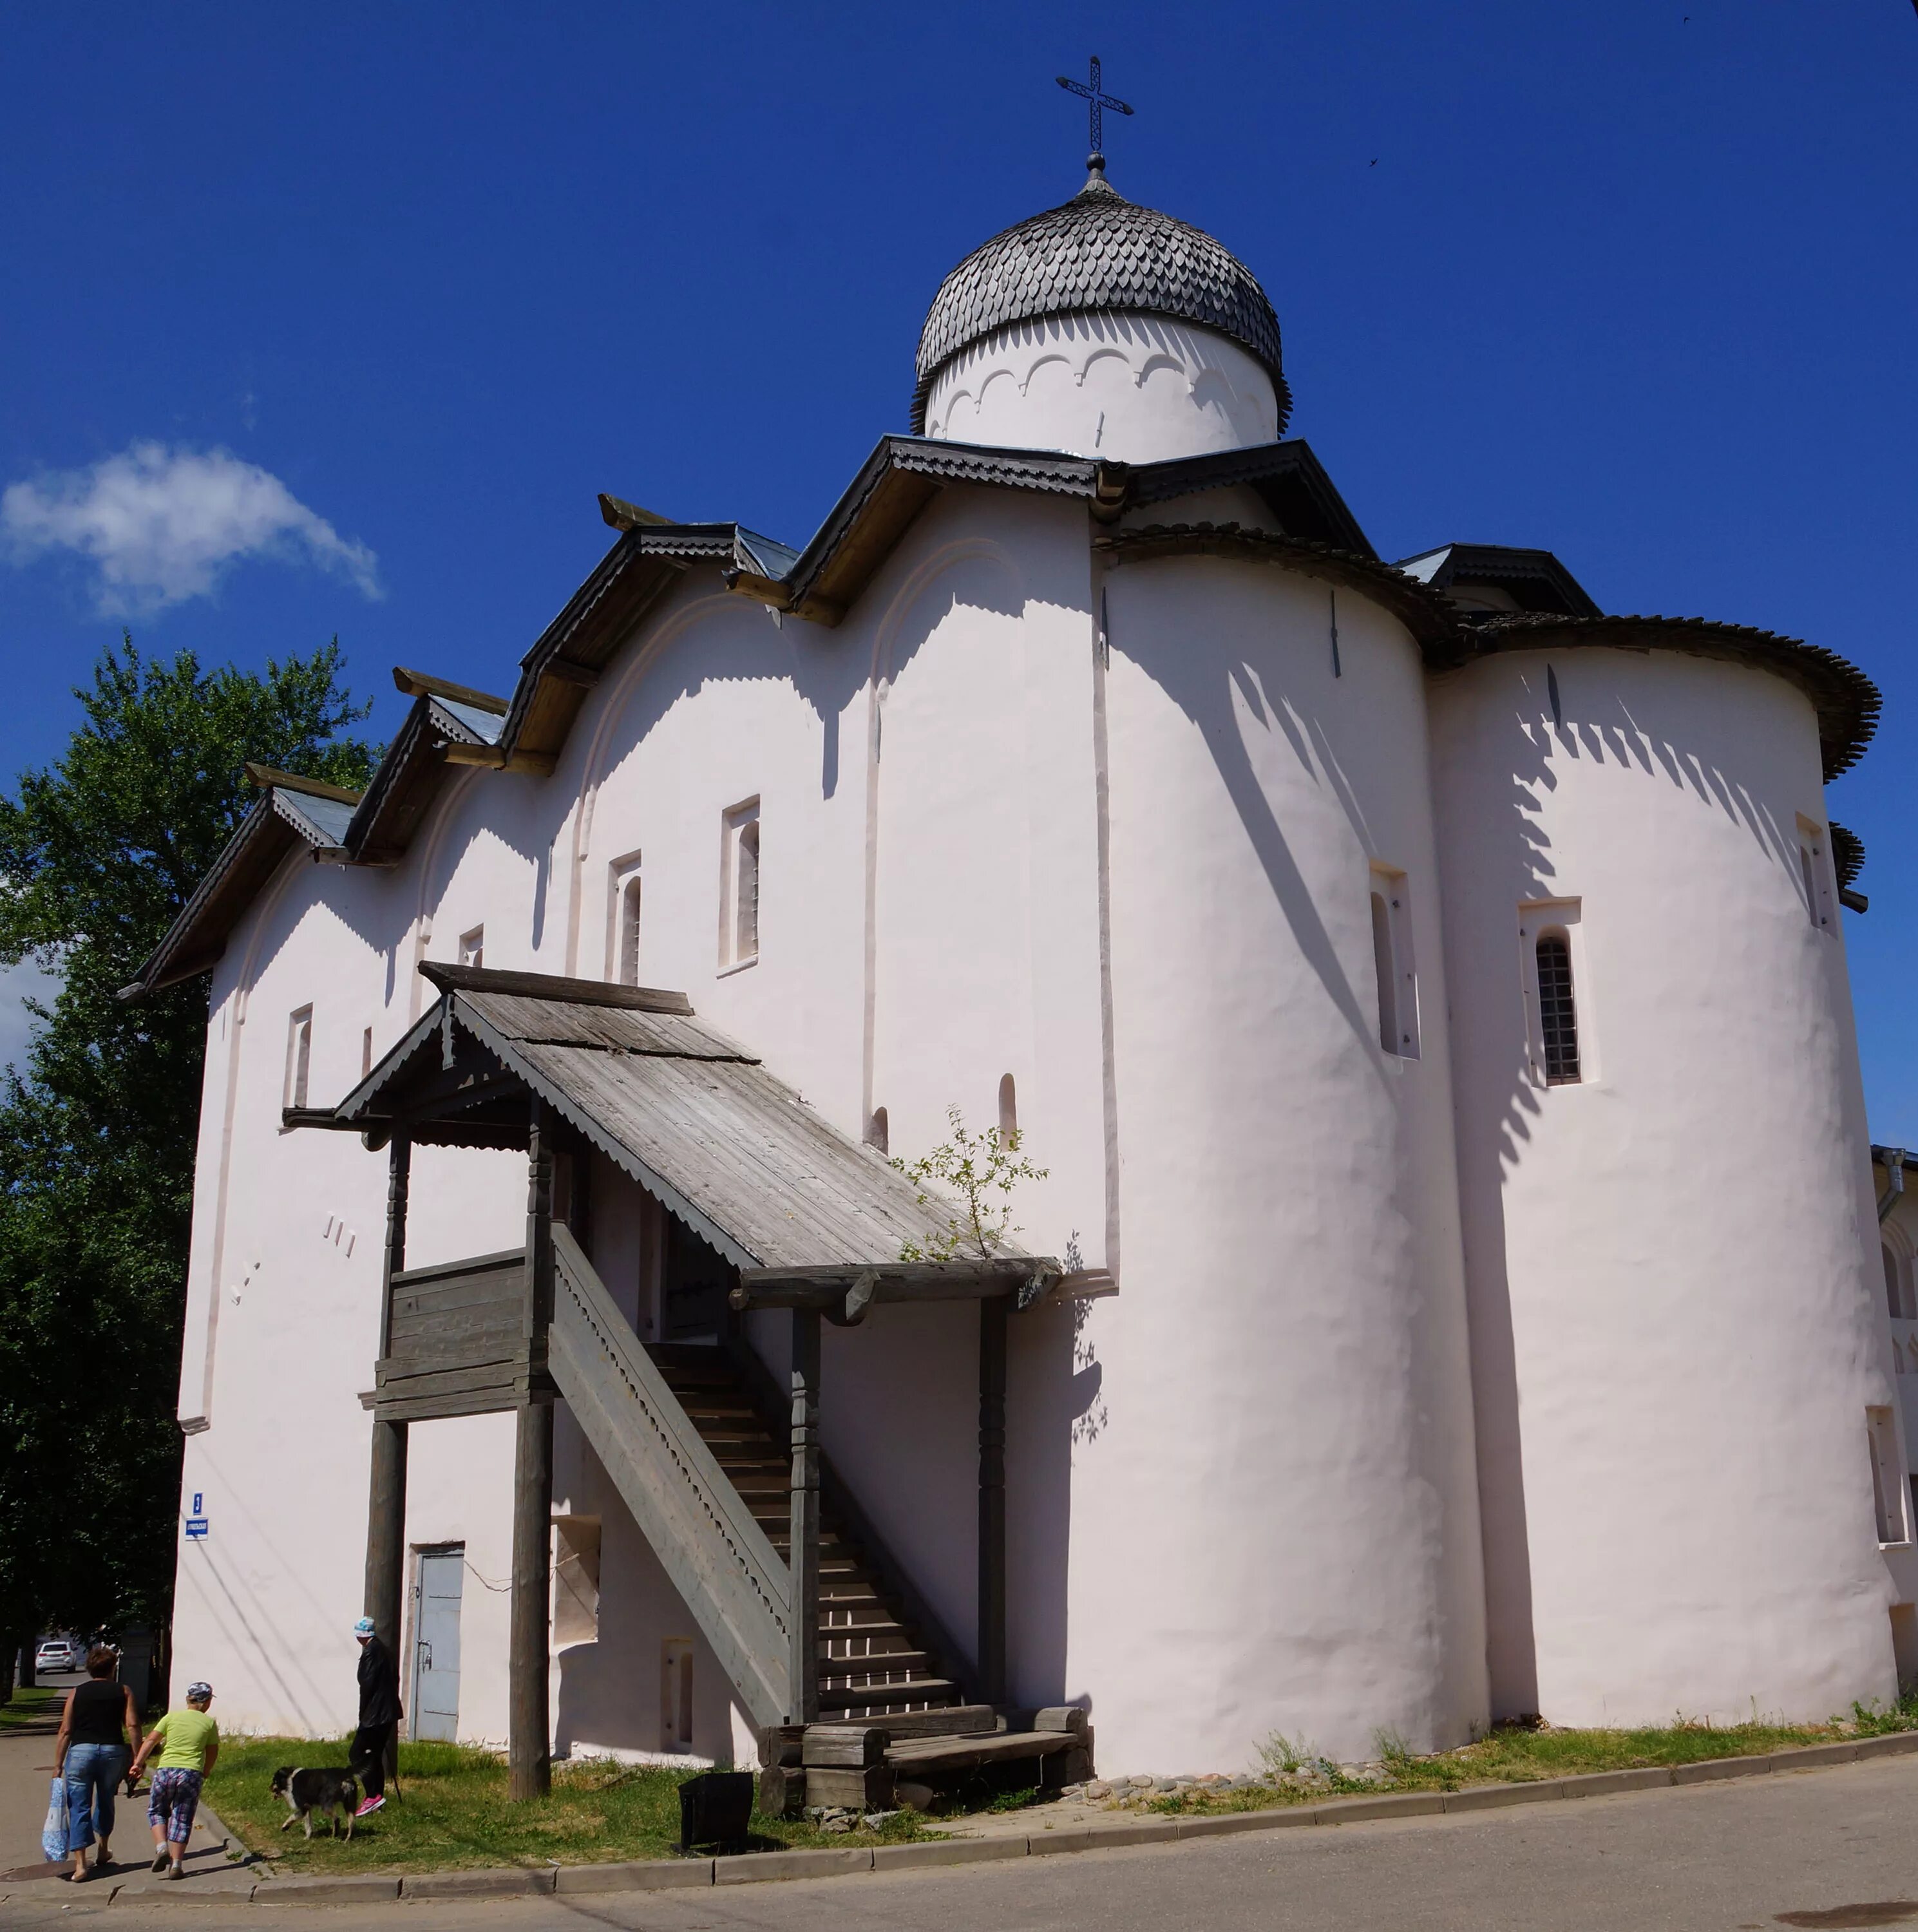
(992, 1499)
(803, 1550)
(529, 1734)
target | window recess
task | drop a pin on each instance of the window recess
(1395, 974)
(739, 885)
(299, 1056)
(1558, 1021)
(1815, 874)
(1888, 1485)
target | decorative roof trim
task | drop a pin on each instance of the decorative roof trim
(1502, 564)
(274, 825)
(1426, 614)
(1848, 703)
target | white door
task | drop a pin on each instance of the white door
(436, 1644)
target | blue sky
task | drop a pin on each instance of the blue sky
(378, 297)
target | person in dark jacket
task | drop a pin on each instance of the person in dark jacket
(380, 1715)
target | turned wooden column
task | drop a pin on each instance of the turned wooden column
(530, 1731)
(992, 1499)
(386, 1501)
(803, 1550)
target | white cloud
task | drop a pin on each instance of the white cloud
(161, 525)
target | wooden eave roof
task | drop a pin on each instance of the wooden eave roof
(1317, 535)
(692, 1115)
(1846, 701)
(281, 821)
(1534, 579)
(1428, 616)
(411, 773)
(905, 472)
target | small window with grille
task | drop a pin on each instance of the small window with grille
(1561, 1046)
(1558, 1010)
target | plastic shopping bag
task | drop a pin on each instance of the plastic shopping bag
(53, 1833)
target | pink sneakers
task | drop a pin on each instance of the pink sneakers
(368, 1807)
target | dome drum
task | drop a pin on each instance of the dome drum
(1099, 254)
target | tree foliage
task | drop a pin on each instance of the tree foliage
(982, 1170)
(97, 856)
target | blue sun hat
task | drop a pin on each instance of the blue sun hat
(364, 1628)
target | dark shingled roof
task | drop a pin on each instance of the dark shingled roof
(1846, 701)
(1098, 251)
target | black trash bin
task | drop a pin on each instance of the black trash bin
(715, 1808)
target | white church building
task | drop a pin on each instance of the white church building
(1457, 1288)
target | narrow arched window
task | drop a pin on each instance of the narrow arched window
(1008, 1110)
(1558, 1010)
(746, 937)
(1892, 1285)
(630, 932)
(1385, 971)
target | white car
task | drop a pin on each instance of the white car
(59, 1653)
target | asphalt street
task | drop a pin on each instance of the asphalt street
(1830, 1848)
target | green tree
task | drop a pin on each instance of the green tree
(97, 856)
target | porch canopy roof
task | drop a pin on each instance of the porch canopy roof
(811, 1216)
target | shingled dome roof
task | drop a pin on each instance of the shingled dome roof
(1098, 251)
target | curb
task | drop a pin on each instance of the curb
(769, 1868)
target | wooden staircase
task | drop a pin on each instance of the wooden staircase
(873, 1663)
(690, 1435)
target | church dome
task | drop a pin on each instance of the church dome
(1099, 254)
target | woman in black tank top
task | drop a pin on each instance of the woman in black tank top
(91, 1754)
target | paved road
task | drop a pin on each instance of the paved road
(1836, 1848)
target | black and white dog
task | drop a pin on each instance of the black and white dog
(330, 1795)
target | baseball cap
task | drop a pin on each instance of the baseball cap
(196, 1691)
(364, 1628)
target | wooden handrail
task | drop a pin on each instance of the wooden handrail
(717, 1557)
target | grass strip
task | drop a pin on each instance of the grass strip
(1521, 1754)
(454, 1813)
(33, 1705)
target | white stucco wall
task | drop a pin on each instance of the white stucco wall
(1243, 1494)
(1274, 1512)
(1136, 388)
(1673, 1266)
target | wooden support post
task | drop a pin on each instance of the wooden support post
(802, 1552)
(992, 1501)
(529, 1734)
(384, 1600)
(386, 1503)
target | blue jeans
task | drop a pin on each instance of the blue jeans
(91, 1772)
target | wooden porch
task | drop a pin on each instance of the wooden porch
(842, 1664)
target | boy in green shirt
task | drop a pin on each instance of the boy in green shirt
(189, 1742)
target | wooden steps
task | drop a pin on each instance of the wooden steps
(859, 1765)
(928, 1757)
(872, 1664)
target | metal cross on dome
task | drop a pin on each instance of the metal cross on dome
(1097, 99)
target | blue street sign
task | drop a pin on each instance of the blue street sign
(196, 1526)
(198, 1503)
